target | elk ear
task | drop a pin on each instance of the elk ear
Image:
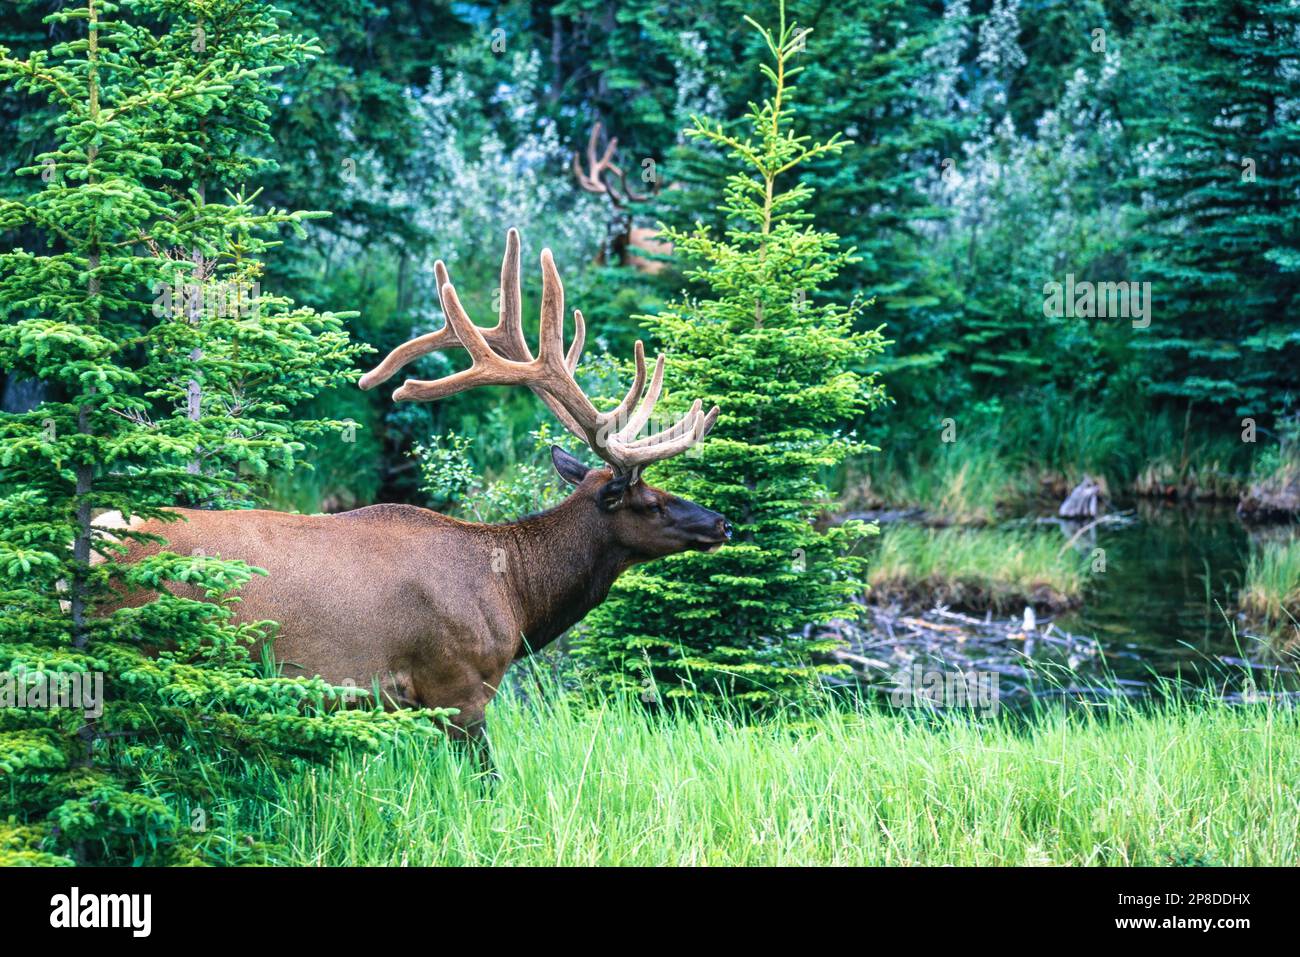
(570, 469)
(612, 493)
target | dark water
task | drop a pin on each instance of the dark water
(1164, 605)
(1159, 616)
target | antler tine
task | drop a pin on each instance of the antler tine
(489, 367)
(599, 166)
(470, 335)
(579, 340)
(408, 351)
(550, 336)
(612, 419)
(642, 415)
(685, 424)
(501, 356)
(506, 337)
(641, 456)
(616, 200)
(688, 430)
(592, 140)
(555, 384)
(510, 315)
(586, 182)
(710, 420)
(629, 193)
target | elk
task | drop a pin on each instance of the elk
(628, 238)
(435, 609)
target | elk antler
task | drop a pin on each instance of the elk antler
(592, 179)
(501, 357)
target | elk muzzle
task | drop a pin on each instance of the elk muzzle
(706, 530)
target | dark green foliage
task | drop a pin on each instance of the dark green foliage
(1106, 161)
(346, 114)
(150, 402)
(1221, 237)
(763, 342)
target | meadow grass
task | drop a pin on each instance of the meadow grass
(1270, 592)
(1043, 448)
(1170, 783)
(975, 568)
(963, 482)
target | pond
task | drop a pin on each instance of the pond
(1164, 604)
(1159, 608)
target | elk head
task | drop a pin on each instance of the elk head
(604, 177)
(645, 521)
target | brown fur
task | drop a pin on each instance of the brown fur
(641, 239)
(603, 176)
(434, 608)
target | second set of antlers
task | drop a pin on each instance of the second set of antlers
(501, 357)
(595, 178)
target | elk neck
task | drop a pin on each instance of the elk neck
(561, 564)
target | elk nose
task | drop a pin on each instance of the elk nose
(724, 528)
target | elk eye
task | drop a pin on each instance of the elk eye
(656, 509)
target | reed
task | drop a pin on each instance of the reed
(977, 569)
(1270, 592)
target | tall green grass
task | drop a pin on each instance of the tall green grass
(1045, 443)
(975, 568)
(1170, 783)
(964, 482)
(1270, 591)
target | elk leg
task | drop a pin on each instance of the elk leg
(468, 690)
(470, 733)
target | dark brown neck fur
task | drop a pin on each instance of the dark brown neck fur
(561, 564)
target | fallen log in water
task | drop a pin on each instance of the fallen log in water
(895, 641)
(1031, 658)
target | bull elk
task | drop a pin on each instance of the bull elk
(629, 240)
(435, 609)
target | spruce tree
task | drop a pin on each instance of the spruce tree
(786, 368)
(1221, 241)
(152, 400)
